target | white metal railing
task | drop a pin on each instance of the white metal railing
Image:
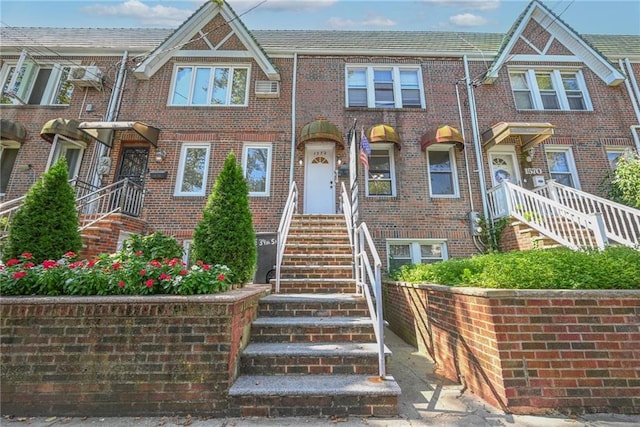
(622, 223)
(348, 213)
(290, 208)
(567, 226)
(368, 276)
(124, 196)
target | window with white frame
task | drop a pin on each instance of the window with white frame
(8, 155)
(443, 178)
(420, 251)
(210, 85)
(192, 170)
(562, 166)
(613, 154)
(256, 164)
(549, 90)
(31, 82)
(71, 150)
(384, 87)
(380, 178)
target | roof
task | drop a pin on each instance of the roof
(288, 41)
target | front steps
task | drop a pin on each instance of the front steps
(312, 350)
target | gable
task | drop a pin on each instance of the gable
(212, 32)
(541, 36)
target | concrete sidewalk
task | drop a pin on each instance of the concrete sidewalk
(426, 400)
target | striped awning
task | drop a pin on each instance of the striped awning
(383, 133)
(12, 131)
(443, 135)
(320, 130)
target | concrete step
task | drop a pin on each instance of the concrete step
(313, 395)
(310, 358)
(313, 305)
(312, 329)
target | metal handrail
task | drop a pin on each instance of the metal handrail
(123, 196)
(622, 223)
(348, 214)
(290, 208)
(567, 226)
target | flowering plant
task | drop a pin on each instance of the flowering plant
(111, 274)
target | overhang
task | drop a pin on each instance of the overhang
(443, 135)
(320, 130)
(102, 131)
(531, 134)
(64, 127)
(12, 131)
(383, 133)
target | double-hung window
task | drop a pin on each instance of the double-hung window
(384, 87)
(30, 82)
(613, 155)
(210, 86)
(192, 170)
(549, 90)
(71, 150)
(421, 251)
(380, 178)
(443, 180)
(8, 155)
(256, 164)
(562, 167)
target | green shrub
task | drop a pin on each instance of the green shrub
(225, 234)
(562, 268)
(153, 246)
(46, 225)
(623, 184)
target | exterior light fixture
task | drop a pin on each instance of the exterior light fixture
(160, 156)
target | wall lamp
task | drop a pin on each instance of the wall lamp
(160, 156)
(300, 161)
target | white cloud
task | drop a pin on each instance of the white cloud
(148, 15)
(482, 5)
(282, 5)
(370, 21)
(467, 20)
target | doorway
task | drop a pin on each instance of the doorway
(319, 178)
(503, 166)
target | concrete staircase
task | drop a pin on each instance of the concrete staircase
(312, 350)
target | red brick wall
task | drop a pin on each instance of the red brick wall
(528, 351)
(123, 356)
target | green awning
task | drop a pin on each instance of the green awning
(12, 131)
(64, 127)
(320, 130)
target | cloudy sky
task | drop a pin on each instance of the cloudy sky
(585, 16)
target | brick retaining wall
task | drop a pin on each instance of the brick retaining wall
(123, 356)
(527, 351)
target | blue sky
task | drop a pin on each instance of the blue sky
(585, 16)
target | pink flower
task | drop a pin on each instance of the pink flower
(29, 265)
(149, 283)
(70, 254)
(221, 277)
(27, 255)
(49, 264)
(121, 284)
(12, 261)
(19, 274)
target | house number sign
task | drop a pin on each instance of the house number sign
(532, 171)
(319, 153)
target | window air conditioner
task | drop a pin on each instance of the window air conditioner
(267, 89)
(87, 76)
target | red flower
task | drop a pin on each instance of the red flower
(27, 255)
(121, 284)
(19, 274)
(29, 265)
(183, 272)
(149, 283)
(70, 254)
(116, 265)
(164, 276)
(155, 263)
(91, 263)
(143, 272)
(221, 277)
(139, 253)
(49, 264)
(206, 267)
(12, 261)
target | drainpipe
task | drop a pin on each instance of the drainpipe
(476, 137)
(466, 155)
(293, 118)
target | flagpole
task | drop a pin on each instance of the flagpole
(353, 173)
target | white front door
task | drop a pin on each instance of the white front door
(503, 167)
(319, 179)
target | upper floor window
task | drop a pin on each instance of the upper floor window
(562, 167)
(549, 90)
(213, 86)
(384, 87)
(30, 82)
(256, 164)
(443, 181)
(192, 171)
(420, 251)
(380, 178)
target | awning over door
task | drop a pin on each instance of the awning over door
(64, 127)
(531, 134)
(443, 135)
(102, 131)
(320, 130)
(383, 133)
(12, 131)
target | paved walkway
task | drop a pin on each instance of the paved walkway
(426, 400)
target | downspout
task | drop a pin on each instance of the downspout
(466, 155)
(476, 137)
(293, 117)
(634, 94)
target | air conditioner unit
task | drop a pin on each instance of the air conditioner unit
(267, 89)
(87, 76)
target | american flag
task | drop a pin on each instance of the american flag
(365, 149)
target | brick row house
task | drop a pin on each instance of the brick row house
(448, 117)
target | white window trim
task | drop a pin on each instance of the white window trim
(174, 80)
(556, 79)
(454, 172)
(269, 148)
(390, 147)
(397, 91)
(183, 156)
(615, 150)
(570, 160)
(59, 140)
(51, 88)
(414, 249)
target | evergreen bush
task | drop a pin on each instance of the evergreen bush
(225, 234)
(46, 225)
